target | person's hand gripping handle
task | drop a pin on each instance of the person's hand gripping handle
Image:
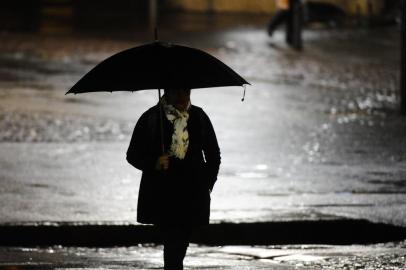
(162, 163)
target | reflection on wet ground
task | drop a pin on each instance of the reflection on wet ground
(318, 136)
(377, 257)
(44, 127)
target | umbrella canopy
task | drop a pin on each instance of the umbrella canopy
(157, 65)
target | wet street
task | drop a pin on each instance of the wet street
(300, 257)
(318, 136)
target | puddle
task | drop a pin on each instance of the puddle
(37, 185)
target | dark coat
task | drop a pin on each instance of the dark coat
(181, 194)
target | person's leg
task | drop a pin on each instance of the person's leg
(176, 242)
(280, 17)
(173, 256)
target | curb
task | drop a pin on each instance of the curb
(335, 232)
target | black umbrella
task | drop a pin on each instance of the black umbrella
(157, 65)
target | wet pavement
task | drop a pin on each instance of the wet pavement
(383, 256)
(318, 136)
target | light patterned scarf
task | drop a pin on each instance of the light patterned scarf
(180, 136)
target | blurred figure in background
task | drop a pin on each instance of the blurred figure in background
(281, 16)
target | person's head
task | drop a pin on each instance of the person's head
(178, 97)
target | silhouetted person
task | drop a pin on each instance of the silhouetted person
(175, 186)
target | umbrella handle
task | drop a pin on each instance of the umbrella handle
(161, 122)
(156, 36)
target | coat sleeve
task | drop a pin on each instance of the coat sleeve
(211, 151)
(139, 153)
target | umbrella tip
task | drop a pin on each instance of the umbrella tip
(243, 97)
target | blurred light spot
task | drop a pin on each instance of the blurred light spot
(252, 175)
(261, 167)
